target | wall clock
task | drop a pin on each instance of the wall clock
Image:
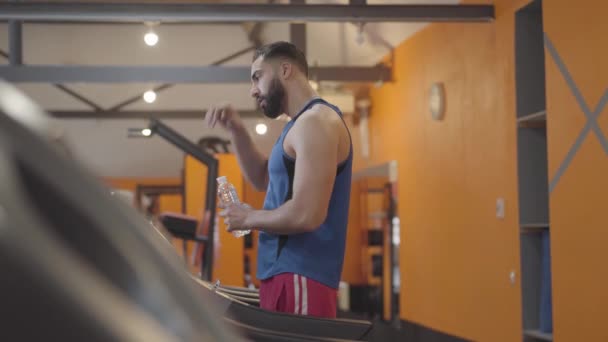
(437, 101)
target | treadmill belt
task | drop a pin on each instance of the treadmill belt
(238, 310)
(263, 335)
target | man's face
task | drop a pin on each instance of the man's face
(267, 88)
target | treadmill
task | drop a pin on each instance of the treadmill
(82, 265)
(242, 305)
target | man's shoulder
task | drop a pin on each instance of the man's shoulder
(325, 108)
(319, 115)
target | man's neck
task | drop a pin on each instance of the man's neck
(297, 99)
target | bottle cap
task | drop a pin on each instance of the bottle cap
(222, 179)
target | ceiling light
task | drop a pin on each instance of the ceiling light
(150, 96)
(151, 38)
(261, 128)
(133, 132)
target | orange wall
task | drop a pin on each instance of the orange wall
(256, 200)
(352, 270)
(228, 265)
(170, 203)
(195, 187)
(578, 216)
(455, 255)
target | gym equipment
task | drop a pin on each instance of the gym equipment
(167, 133)
(223, 256)
(84, 265)
(234, 306)
(242, 304)
(180, 226)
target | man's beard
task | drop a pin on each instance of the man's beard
(274, 99)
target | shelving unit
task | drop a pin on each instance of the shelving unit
(532, 170)
(540, 336)
(374, 193)
(372, 198)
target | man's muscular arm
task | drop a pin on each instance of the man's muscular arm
(315, 143)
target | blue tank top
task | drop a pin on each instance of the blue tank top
(318, 255)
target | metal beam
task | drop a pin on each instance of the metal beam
(298, 36)
(142, 114)
(168, 12)
(64, 89)
(165, 86)
(130, 23)
(15, 42)
(254, 32)
(173, 74)
(254, 35)
(297, 31)
(78, 96)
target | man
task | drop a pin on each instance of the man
(307, 179)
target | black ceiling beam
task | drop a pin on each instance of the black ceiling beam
(142, 114)
(195, 12)
(15, 42)
(77, 96)
(173, 74)
(130, 23)
(63, 88)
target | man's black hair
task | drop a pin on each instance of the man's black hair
(283, 50)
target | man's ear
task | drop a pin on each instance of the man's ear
(285, 70)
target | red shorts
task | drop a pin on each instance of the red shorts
(295, 294)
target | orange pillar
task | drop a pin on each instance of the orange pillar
(228, 265)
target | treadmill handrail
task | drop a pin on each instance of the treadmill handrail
(181, 142)
(239, 293)
(238, 288)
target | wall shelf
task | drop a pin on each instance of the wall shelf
(375, 190)
(380, 215)
(534, 120)
(538, 335)
(533, 227)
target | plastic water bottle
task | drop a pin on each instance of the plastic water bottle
(227, 194)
